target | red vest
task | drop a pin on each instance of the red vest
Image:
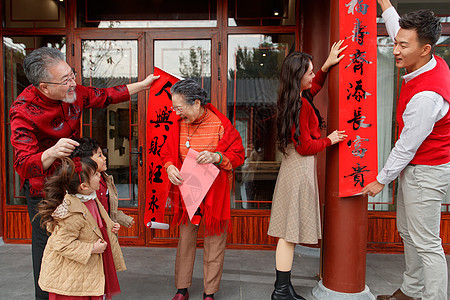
(435, 149)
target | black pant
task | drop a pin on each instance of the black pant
(39, 239)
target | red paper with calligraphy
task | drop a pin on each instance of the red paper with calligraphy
(357, 95)
(160, 119)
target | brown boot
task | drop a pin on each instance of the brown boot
(398, 295)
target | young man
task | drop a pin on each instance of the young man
(421, 156)
(45, 118)
(107, 193)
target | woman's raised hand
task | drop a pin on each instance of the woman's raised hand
(333, 57)
(337, 136)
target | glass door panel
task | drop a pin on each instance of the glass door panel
(254, 65)
(186, 59)
(15, 48)
(107, 63)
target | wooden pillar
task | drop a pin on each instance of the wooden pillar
(344, 219)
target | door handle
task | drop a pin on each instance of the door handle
(140, 155)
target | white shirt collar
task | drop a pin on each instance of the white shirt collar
(85, 198)
(425, 68)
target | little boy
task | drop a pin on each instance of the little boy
(107, 193)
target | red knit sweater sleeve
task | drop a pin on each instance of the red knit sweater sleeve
(309, 130)
(318, 82)
(95, 97)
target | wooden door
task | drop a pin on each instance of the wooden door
(107, 60)
(193, 57)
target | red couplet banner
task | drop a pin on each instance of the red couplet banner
(160, 119)
(358, 164)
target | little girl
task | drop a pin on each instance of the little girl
(82, 253)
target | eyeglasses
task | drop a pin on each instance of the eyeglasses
(178, 109)
(65, 82)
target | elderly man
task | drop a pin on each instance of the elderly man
(421, 156)
(45, 118)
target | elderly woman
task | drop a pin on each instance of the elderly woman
(203, 128)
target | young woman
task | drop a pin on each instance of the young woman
(295, 215)
(82, 254)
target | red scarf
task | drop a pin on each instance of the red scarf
(216, 210)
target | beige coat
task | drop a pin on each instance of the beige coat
(116, 214)
(68, 267)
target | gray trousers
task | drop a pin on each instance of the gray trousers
(420, 194)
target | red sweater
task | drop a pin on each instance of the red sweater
(38, 122)
(102, 195)
(309, 142)
(435, 149)
(217, 201)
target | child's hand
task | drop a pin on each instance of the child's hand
(115, 228)
(99, 246)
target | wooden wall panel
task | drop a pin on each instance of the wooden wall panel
(249, 231)
(383, 237)
(445, 230)
(18, 226)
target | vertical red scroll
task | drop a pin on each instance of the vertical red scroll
(357, 96)
(160, 119)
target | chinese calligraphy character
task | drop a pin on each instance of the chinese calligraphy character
(153, 204)
(358, 93)
(358, 6)
(358, 150)
(163, 118)
(155, 149)
(358, 32)
(163, 89)
(154, 175)
(358, 176)
(358, 120)
(357, 59)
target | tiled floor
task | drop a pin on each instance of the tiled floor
(247, 274)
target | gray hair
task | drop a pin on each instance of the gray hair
(36, 64)
(191, 91)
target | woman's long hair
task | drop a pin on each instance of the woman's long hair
(289, 101)
(308, 96)
(65, 180)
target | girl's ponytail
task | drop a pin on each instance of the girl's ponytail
(65, 180)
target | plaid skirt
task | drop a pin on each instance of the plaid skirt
(295, 214)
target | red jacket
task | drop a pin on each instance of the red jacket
(38, 122)
(309, 142)
(217, 200)
(435, 149)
